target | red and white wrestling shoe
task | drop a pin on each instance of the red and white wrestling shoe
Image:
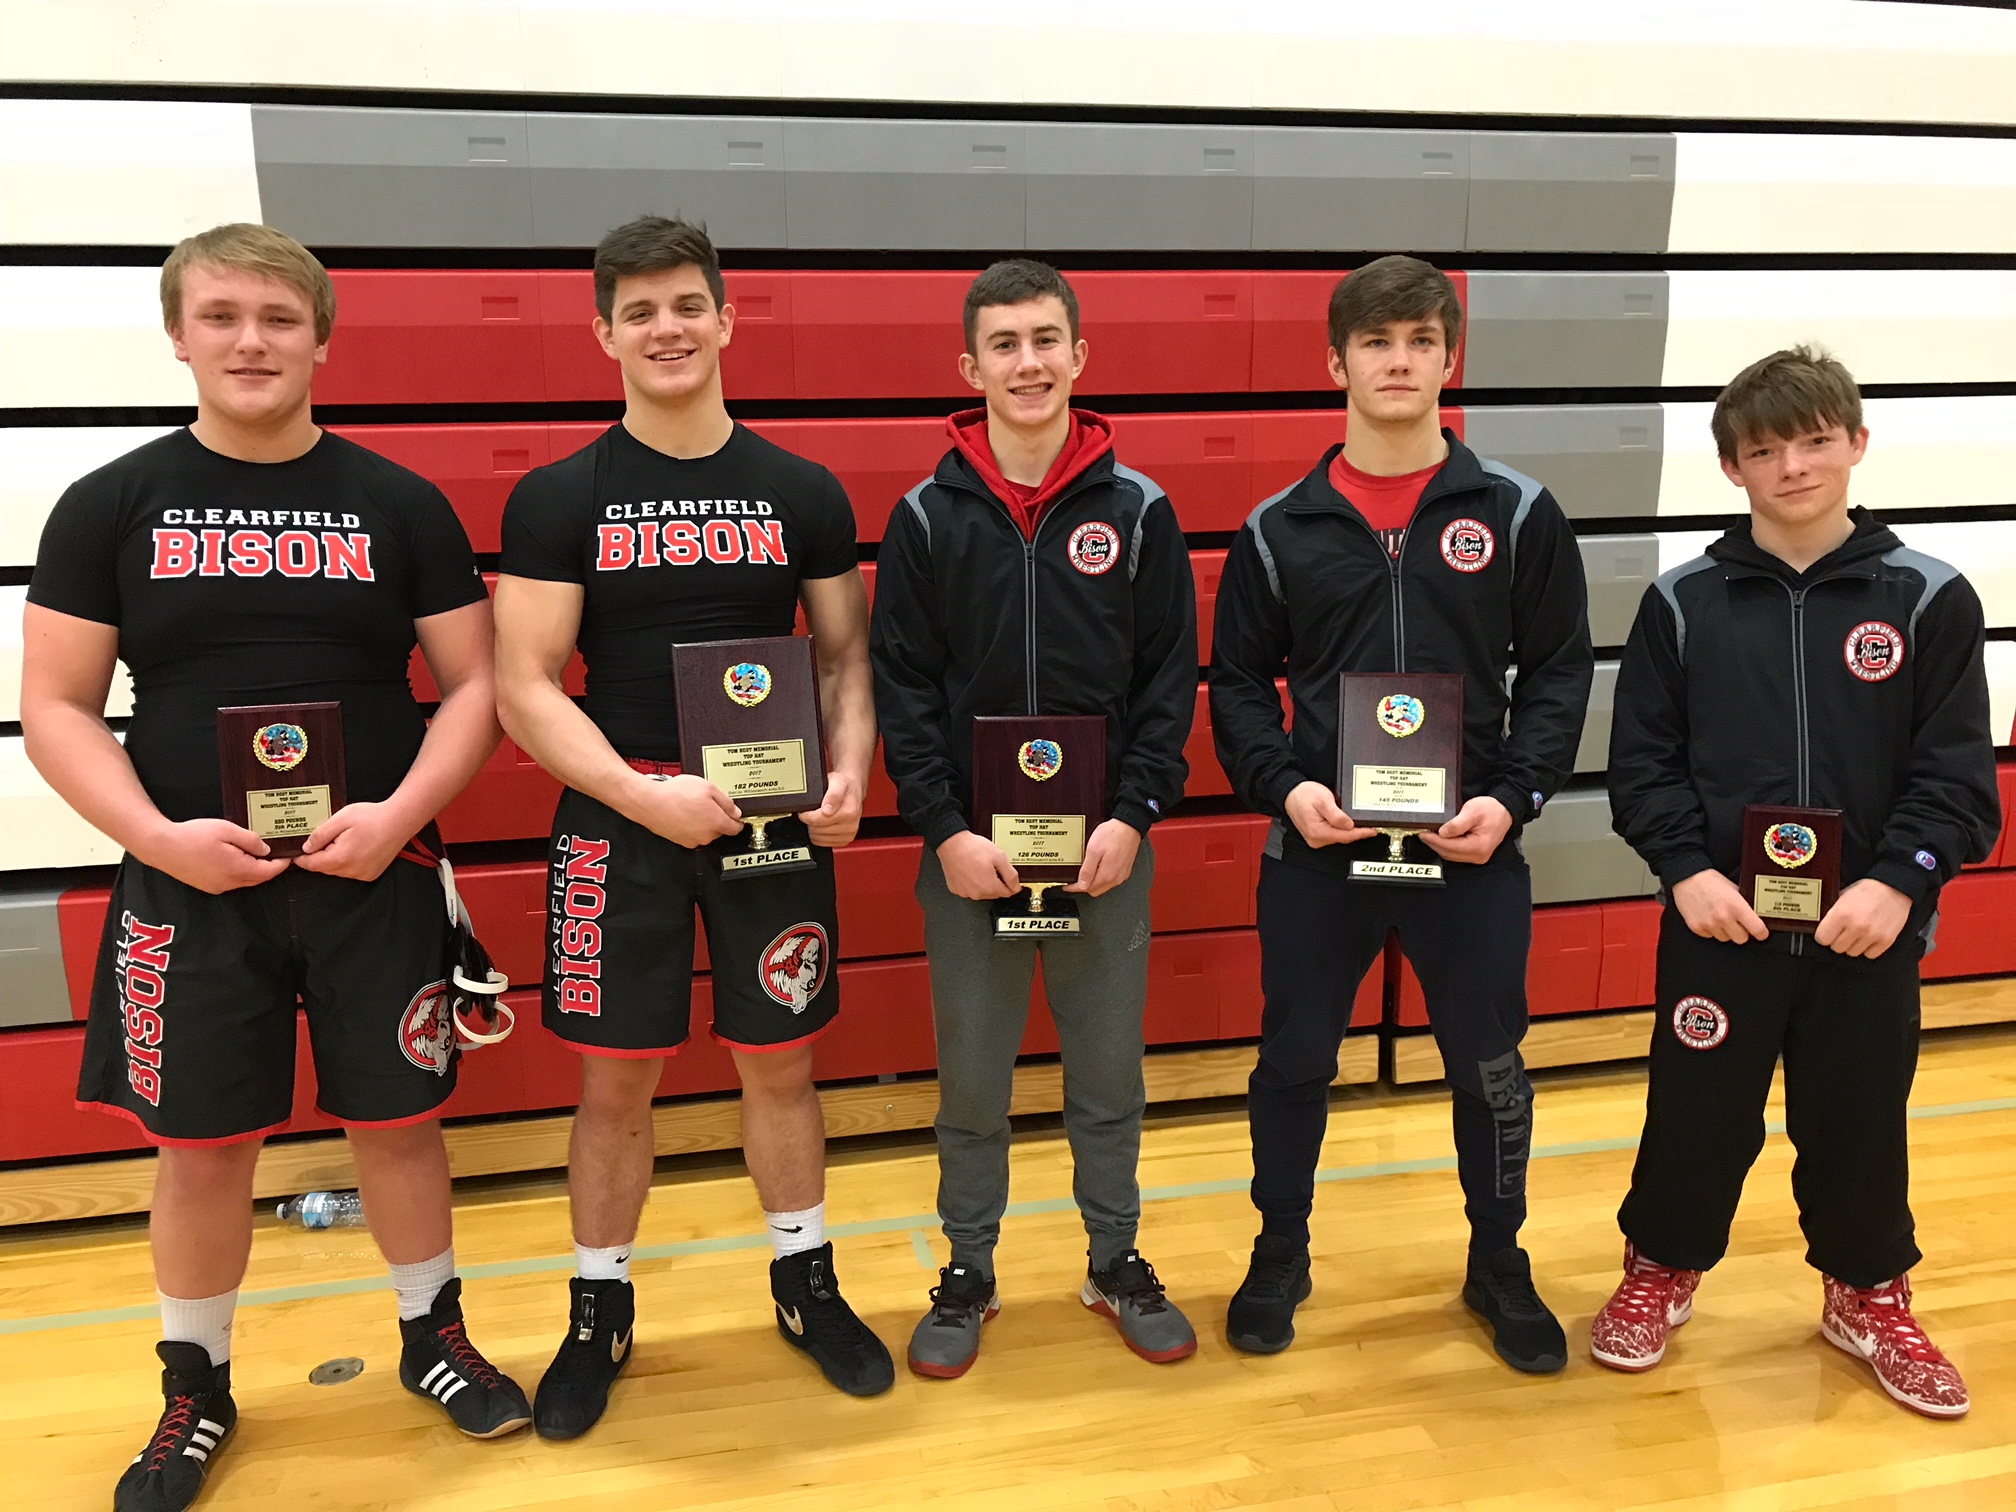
(1874, 1323)
(1650, 1302)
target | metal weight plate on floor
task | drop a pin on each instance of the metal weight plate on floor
(336, 1372)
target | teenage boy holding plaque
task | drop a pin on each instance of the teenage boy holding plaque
(1802, 754)
(678, 528)
(1402, 552)
(1032, 575)
(254, 563)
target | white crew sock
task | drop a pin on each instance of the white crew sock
(419, 1283)
(200, 1320)
(794, 1233)
(611, 1263)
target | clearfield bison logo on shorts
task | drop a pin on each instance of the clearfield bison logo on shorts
(793, 967)
(426, 1034)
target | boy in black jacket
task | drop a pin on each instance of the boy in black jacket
(1809, 659)
(1401, 551)
(1034, 573)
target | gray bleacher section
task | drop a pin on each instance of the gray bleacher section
(32, 985)
(1600, 461)
(347, 176)
(1571, 330)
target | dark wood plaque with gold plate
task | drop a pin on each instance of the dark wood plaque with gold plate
(282, 769)
(1039, 790)
(1791, 871)
(1400, 763)
(749, 723)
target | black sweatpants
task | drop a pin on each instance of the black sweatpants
(1319, 933)
(1848, 1031)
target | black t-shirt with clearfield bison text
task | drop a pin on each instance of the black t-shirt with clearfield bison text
(670, 551)
(258, 583)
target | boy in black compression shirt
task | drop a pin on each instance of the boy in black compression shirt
(255, 559)
(679, 525)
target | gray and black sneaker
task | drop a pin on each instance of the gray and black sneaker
(1527, 1336)
(1128, 1293)
(946, 1341)
(438, 1361)
(814, 1317)
(574, 1392)
(196, 1420)
(1261, 1319)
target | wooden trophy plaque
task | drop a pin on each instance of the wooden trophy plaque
(1791, 871)
(749, 723)
(1400, 763)
(1039, 790)
(282, 769)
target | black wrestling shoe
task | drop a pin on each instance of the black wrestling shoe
(574, 1392)
(438, 1361)
(1499, 1289)
(195, 1423)
(1261, 1319)
(814, 1317)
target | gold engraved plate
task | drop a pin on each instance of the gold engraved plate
(757, 769)
(1396, 789)
(1041, 839)
(1788, 898)
(272, 813)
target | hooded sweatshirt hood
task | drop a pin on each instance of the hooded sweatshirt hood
(1866, 543)
(1090, 438)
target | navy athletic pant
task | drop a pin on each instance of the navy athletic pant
(1468, 940)
(1848, 1033)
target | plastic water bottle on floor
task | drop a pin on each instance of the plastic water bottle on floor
(321, 1210)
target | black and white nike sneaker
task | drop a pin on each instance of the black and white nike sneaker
(438, 1361)
(195, 1421)
(814, 1317)
(574, 1392)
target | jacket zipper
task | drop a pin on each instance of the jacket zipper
(1029, 613)
(1803, 789)
(1400, 599)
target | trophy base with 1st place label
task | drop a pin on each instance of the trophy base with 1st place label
(1039, 789)
(1791, 872)
(282, 769)
(749, 711)
(1400, 764)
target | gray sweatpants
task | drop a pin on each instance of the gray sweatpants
(1097, 985)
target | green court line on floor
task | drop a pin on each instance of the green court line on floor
(914, 1223)
(921, 1242)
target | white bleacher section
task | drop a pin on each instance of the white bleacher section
(1818, 60)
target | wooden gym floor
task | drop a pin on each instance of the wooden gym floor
(1390, 1397)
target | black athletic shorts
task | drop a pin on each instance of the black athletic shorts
(619, 939)
(191, 1033)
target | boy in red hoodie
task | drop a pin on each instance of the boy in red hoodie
(1033, 573)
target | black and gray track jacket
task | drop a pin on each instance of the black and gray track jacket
(971, 618)
(1487, 575)
(1857, 684)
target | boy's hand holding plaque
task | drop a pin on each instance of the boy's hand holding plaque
(1791, 870)
(1039, 788)
(1400, 763)
(282, 769)
(749, 723)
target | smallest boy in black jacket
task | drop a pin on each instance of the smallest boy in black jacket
(1402, 550)
(1034, 573)
(1808, 659)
